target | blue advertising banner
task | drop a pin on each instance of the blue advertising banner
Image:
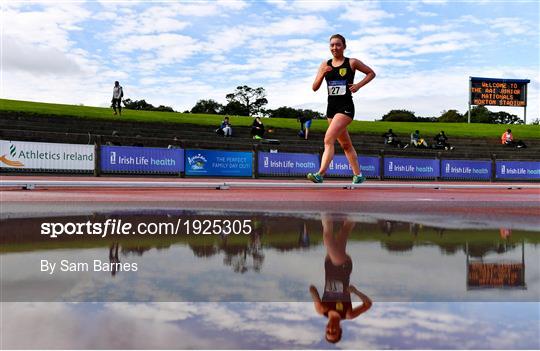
(218, 163)
(340, 166)
(518, 170)
(466, 169)
(287, 164)
(397, 167)
(141, 159)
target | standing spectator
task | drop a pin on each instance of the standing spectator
(391, 139)
(306, 124)
(118, 94)
(441, 141)
(302, 120)
(508, 139)
(225, 128)
(257, 128)
(417, 141)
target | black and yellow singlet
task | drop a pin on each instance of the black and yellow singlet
(339, 96)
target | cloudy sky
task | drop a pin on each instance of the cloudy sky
(175, 53)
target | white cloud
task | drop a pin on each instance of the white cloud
(47, 28)
(19, 55)
(364, 12)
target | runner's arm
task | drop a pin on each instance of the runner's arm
(323, 69)
(316, 300)
(366, 303)
(360, 66)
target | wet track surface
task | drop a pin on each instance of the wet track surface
(461, 261)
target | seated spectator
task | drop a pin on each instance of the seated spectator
(257, 129)
(391, 139)
(225, 128)
(508, 139)
(441, 141)
(138, 142)
(116, 137)
(417, 141)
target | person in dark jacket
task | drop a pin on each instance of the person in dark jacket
(441, 141)
(257, 129)
(391, 139)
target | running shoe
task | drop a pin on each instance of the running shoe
(358, 179)
(315, 177)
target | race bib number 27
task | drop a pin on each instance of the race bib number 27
(337, 87)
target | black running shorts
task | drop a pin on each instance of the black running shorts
(346, 109)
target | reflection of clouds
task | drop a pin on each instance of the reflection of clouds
(156, 312)
(400, 325)
(284, 322)
(175, 274)
(265, 325)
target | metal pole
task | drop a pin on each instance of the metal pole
(525, 107)
(523, 260)
(470, 92)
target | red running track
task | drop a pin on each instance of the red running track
(493, 202)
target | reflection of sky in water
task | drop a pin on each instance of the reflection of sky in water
(176, 274)
(388, 265)
(267, 325)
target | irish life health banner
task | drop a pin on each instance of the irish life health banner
(340, 166)
(518, 170)
(141, 159)
(46, 156)
(287, 163)
(398, 167)
(466, 169)
(218, 163)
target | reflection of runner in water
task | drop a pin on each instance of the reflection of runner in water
(113, 257)
(303, 239)
(336, 301)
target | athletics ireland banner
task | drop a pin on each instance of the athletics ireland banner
(287, 163)
(46, 156)
(141, 159)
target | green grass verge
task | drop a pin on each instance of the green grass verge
(484, 238)
(453, 130)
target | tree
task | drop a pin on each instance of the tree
(207, 106)
(452, 116)
(399, 116)
(283, 112)
(163, 108)
(480, 114)
(143, 105)
(235, 108)
(504, 118)
(137, 104)
(289, 112)
(251, 99)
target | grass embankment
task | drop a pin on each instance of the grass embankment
(289, 239)
(454, 130)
